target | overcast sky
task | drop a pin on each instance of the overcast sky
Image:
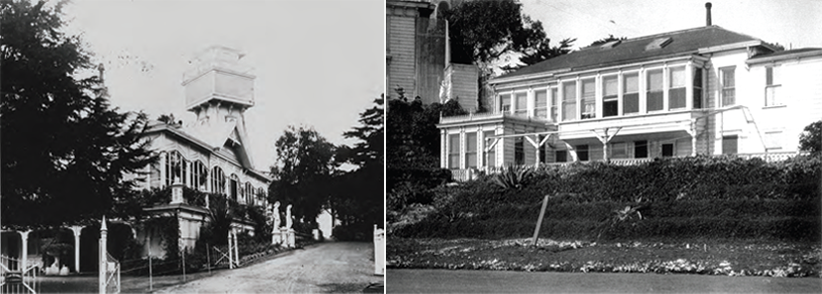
(796, 23)
(318, 63)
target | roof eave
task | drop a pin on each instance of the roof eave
(732, 46)
(797, 55)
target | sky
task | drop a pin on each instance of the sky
(318, 63)
(796, 23)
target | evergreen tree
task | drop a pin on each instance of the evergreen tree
(65, 151)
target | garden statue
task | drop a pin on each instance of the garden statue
(276, 214)
(288, 221)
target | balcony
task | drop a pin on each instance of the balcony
(668, 121)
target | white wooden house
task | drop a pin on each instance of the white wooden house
(705, 90)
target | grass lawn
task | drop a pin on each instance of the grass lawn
(696, 256)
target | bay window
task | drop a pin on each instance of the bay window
(521, 104)
(454, 151)
(490, 153)
(554, 98)
(697, 88)
(505, 103)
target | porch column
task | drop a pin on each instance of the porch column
(693, 133)
(605, 139)
(163, 170)
(24, 238)
(77, 231)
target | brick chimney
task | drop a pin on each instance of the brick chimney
(708, 13)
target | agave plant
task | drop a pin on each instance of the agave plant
(513, 177)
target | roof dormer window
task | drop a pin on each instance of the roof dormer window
(658, 43)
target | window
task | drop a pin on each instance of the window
(217, 180)
(676, 88)
(234, 188)
(505, 103)
(772, 84)
(773, 140)
(697, 88)
(729, 144)
(454, 151)
(541, 104)
(630, 96)
(561, 156)
(519, 151)
(199, 175)
(610, 105)
(569, 101)
(668, 150)
(249, 193)
(582, 152)
(654, 97)
(588, 99)
(728, 86)
(489, 153)
(619, 150)
(554, 96)
(640, 149)
(522, 104)
(175, 168)
(471, 150)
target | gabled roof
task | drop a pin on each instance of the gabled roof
(672, 44)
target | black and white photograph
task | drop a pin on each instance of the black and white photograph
(540, 146)
(192, 146)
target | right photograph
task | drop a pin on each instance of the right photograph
(542, 146)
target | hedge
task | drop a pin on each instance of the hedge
(680, 197)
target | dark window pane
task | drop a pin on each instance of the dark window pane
(519, 151)
(667, 150)
(677, 98)
(729, 144)
(582, 152)
(630, 103)
(654, 101)
(561, 156)
(640, 149)
(610, 108)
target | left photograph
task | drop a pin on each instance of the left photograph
(192, 147)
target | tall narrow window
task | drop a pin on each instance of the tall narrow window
(217, 180)
(697, 88)
(730, 144)
(728, 86)
(554, 104)
(234, 186)
(582, 152)
(569, 101)
(630, 95)
(175, 168)
(522, 104)
(676, 90)
(471, 149)
(519, 151)
(588, 99)
(772, 85)
(654, 96)
(505, 103)
(199, 175)
(541, 104)
(249, 193)
(490, 153)
(610, 105)
(454, 151)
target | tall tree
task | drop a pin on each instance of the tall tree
(302, 172)
(65, 150)
(358, 198)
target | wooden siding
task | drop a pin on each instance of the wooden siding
(401, 49)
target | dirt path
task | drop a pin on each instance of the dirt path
(327, 267)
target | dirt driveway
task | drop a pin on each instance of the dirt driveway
(326, 267)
